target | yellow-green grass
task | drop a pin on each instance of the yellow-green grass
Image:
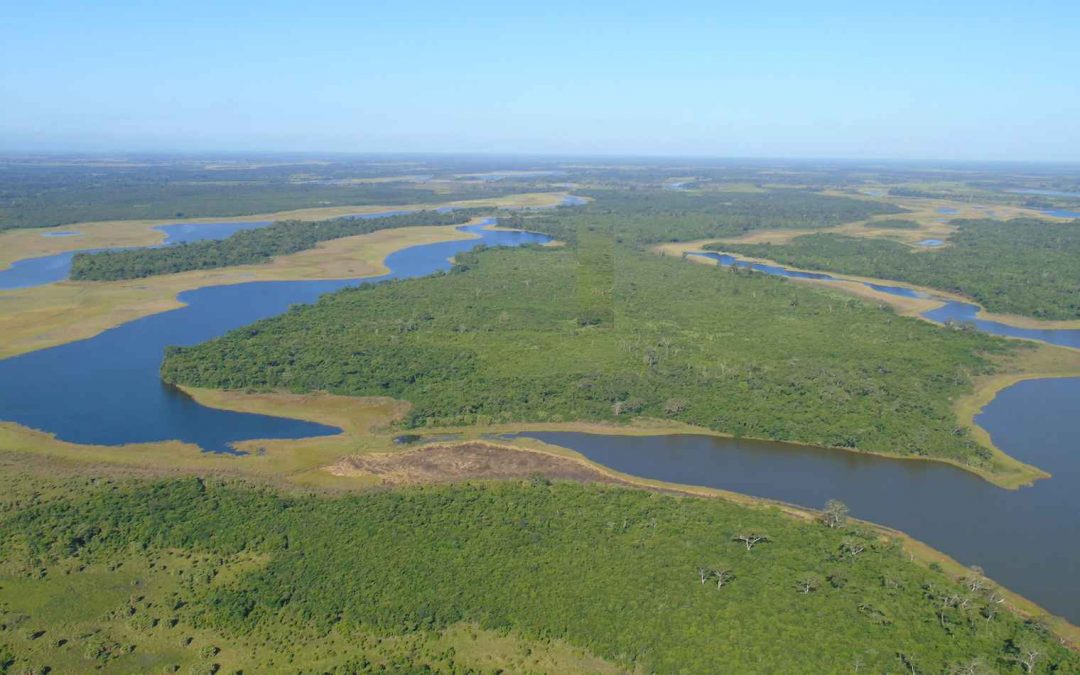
(21, 243)
(59, 619)
(53, 314)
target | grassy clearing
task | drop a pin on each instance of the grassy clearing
(121, 616)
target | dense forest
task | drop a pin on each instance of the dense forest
(1021, 266)
(247, 246)
(597, 331)
(211, 577)
(651, 216)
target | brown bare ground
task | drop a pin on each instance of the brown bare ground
(472, 460)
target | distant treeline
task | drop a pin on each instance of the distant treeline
(1022, 266)
(46, 196)
(651, 216)
(246, 247)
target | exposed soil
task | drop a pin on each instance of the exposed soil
(473, 460)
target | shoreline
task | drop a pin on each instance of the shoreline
(306, 464)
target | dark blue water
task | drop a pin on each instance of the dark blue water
(106, 389)
(1028, 540)
(962, 312)
(947, 210)
(61, 234)
(30, 272)
(931, 242)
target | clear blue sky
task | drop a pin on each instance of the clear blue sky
(996, 79)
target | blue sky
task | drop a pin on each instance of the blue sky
(942, 80)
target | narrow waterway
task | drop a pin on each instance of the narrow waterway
(951, 310)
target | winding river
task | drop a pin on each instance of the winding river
(951, 310)
(106, 390)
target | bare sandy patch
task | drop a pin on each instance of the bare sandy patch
(472, 460)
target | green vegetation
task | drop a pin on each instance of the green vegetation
(246, 247)
(652, 216)
(211, 577)
(894, 224)
(1021, 266)
(597, 331)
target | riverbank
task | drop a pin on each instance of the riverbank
(54, 314)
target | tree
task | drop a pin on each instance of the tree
(976, 582)
(807, 582)
(851, 547)
(835, 513)
(751, 540)
(1027, 654)
(721, 573)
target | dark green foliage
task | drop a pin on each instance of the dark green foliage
(505, 341)
(245, 247)
(612, 570)
(1022, 266)
(650, 216)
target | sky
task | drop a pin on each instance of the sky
(950, 80)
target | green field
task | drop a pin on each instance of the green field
(1021, 266)
(135, 576)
